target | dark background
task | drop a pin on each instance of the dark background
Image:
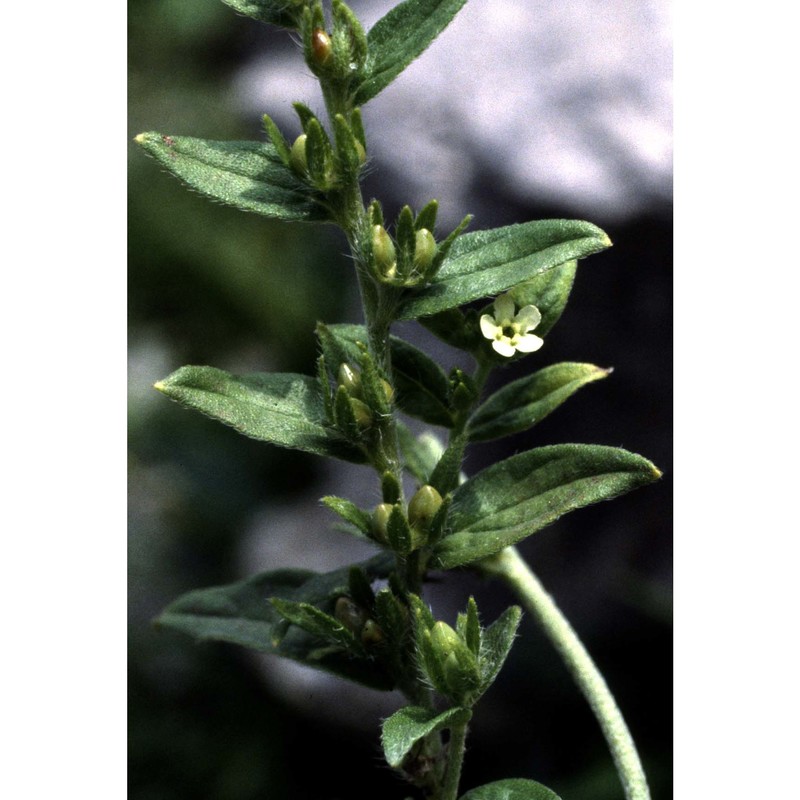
(211, 285)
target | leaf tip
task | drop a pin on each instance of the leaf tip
(160, 386)
(606, 240)
(139, 138)
(657, 473)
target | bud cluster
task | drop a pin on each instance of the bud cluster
(337, 55)
(313, 157)
(448, 658)
(418, 525)
(410, 258)
(361, 399)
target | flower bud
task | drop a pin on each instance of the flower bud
(371, 633)
(424, 251)
(445, 640)
(457, 666)
(423, 506)
(350, 615)
(350, 379)
(362, 413)
(387, 389)
(297, 155)
(321, 46)
(383, 252)
(380, 522)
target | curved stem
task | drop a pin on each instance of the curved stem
(512, 568)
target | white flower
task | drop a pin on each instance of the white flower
(510, 332)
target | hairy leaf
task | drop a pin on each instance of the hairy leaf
(284, 13)
(522, 403)
(398, 38)
(316, 622)
(511, 789)
(519, 496)
(485, 263)
(241, 613)
(248, 175)
(349, 511)
(496, 644)
(283, 409)
(407, 726)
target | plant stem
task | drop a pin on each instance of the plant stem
(455, 759)
(512, 568)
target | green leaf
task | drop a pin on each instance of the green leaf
(349, 511)
(549, 292)
(522, 403)
(496, 644)
(511, 789)
(488, 262)
(283, 409)
(523, 494)
(399, 37)
(316, 622)
(241, 613)
(421, 385)
(248, 175)
(285, 13)
(407, 726)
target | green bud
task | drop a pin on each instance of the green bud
(457, 665)
(380, 522)
(424, 251)
(423, 506)
(350, 615)
(362, 413)
(362, 153)
(387, 390)
(383, 253)
(350, 379)
(371, 633)
(297, 155)
(445, 639)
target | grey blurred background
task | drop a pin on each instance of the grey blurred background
(519, 111)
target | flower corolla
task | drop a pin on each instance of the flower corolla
(510, 332)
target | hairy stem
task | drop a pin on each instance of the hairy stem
(455, 760)
(512, 568)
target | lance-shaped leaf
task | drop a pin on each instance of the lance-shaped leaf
(317, 622)
(241, 613)
(284, 13)
(422, 386)
(248, 175)
(517, 497)
(524, 402)
(511, 789)
(350, 512)
(495, 644)
(398, 38)
(485, 263)
(283, 409)
(409, 725)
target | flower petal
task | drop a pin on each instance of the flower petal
(488, 326)
(503, 346)
(503, 308)
(529, 343)
(528, 318)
